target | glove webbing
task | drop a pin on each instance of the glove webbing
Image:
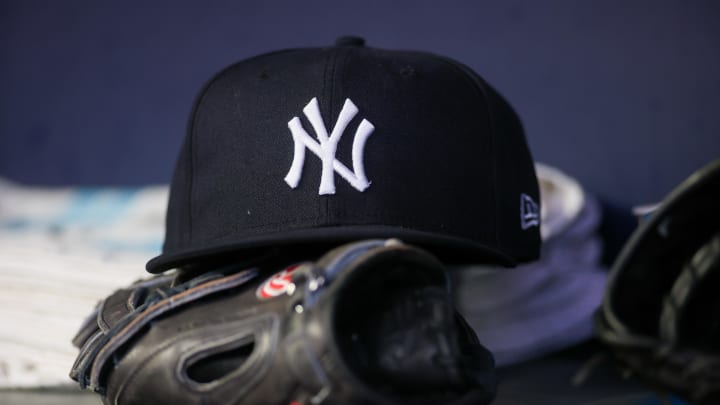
(98, 349)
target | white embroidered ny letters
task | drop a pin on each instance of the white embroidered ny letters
(326, 149)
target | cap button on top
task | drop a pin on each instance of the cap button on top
(350, 41)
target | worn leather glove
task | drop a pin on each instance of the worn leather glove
(369, 322)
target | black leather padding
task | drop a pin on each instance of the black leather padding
(691, 311)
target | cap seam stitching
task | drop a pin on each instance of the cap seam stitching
(328, 93)
(334, 77)
(483, 94)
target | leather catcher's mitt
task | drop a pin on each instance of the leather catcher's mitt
(661, 314)
(370, 322)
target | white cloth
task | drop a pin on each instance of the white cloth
(61, 251)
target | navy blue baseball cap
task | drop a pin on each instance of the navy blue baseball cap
(325, 145)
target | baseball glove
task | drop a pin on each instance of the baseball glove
(370, 322)
(661, 312)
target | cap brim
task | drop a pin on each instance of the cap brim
(450, 249)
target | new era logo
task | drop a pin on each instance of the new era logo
(529, 212)
(327, 147)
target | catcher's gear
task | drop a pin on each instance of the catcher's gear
(660, 313)
(370, 322)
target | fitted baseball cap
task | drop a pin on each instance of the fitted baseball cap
(325, 145)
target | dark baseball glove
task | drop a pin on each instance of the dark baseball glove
(661, 314)
(370, 322)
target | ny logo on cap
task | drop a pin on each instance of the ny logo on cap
(325, 150)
